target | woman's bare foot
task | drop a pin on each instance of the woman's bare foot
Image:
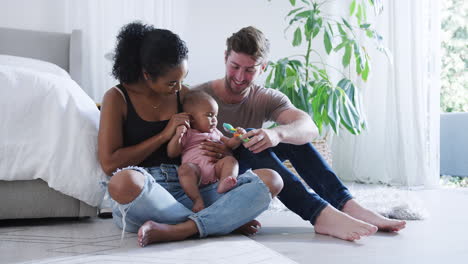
(152, 232)
(227, 184)
(198, 205)
(337, 224)
(251, 228)
(355, 210)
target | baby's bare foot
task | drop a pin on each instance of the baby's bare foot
(227, 184)
(355, 210)
(337, 224)
(198, 205)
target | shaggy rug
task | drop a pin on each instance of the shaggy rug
(390, 202)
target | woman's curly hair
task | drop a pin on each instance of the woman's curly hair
(142, 47)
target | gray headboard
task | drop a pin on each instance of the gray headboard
(59, 48)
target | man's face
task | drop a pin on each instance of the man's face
(241, 72)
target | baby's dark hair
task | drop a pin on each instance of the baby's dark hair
(141, 47)
(194, 98)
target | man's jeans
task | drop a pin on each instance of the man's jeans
(312, 169)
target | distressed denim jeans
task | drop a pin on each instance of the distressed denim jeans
(163, 200)
(312, 169)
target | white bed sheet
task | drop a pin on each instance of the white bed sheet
(48, 131)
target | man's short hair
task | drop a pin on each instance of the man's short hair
(250, 41)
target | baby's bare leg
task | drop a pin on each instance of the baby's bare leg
(226, 170)
(189, 178)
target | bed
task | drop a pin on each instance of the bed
(35, 191)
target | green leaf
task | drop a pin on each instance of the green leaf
(316, 76)
(341, 45)
(352, 8)
(370, 33)
(365, 72)
(359, 14)
(365, 26)
(330, 28)
(317, 26)
(327, 42)
(294, 11)
(347, 56)
(293, 2)
(357, 55)
(297, 37)
(347, 24)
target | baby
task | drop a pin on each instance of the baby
(198, 169)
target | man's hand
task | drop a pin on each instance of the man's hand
(215, 150)
(261, 139)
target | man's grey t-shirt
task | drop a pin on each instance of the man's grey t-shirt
(261, 105)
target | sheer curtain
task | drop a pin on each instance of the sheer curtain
(401, 101)
(100, 22)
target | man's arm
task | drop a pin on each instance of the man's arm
(295, 127)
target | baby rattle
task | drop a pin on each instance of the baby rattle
(229, 128)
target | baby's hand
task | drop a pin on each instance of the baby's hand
(180, 131)
(239, 132)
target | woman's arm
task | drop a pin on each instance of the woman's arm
(112, 155)
(174, 147)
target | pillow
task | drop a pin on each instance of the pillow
(49, 128)
(33, 64)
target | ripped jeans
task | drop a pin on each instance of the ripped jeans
(163, 200)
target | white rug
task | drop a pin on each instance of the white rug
(98, 241)
(390, 202)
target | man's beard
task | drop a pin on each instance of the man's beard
(227, 84)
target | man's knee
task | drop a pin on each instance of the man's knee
(126, 185)
(272, 180)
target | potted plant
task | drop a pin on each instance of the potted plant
(307, 83)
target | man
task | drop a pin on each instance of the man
(242, 103)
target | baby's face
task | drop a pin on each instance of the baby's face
(205, 117)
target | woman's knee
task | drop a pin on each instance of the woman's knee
(272, 180)
(126, 185)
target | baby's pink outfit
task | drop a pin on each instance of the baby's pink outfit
(191, 152)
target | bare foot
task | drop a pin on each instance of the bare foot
(198, 205)
(152, 232)
(227, 184)
(355, 210)
(251, 228)
(337, 224)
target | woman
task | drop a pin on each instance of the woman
(138, 118)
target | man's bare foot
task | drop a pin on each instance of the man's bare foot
(337, 224)
(198, 205)
(251, 228)
(355, 210)
(227, 184)
(152, 232)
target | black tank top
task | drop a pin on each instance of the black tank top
(136, 130)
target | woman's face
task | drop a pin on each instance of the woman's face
(169, 83)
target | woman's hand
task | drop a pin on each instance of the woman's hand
(180, 119)
(215, 150)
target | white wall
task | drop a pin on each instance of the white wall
(203, 24)
(210, 23)
(46, 15)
